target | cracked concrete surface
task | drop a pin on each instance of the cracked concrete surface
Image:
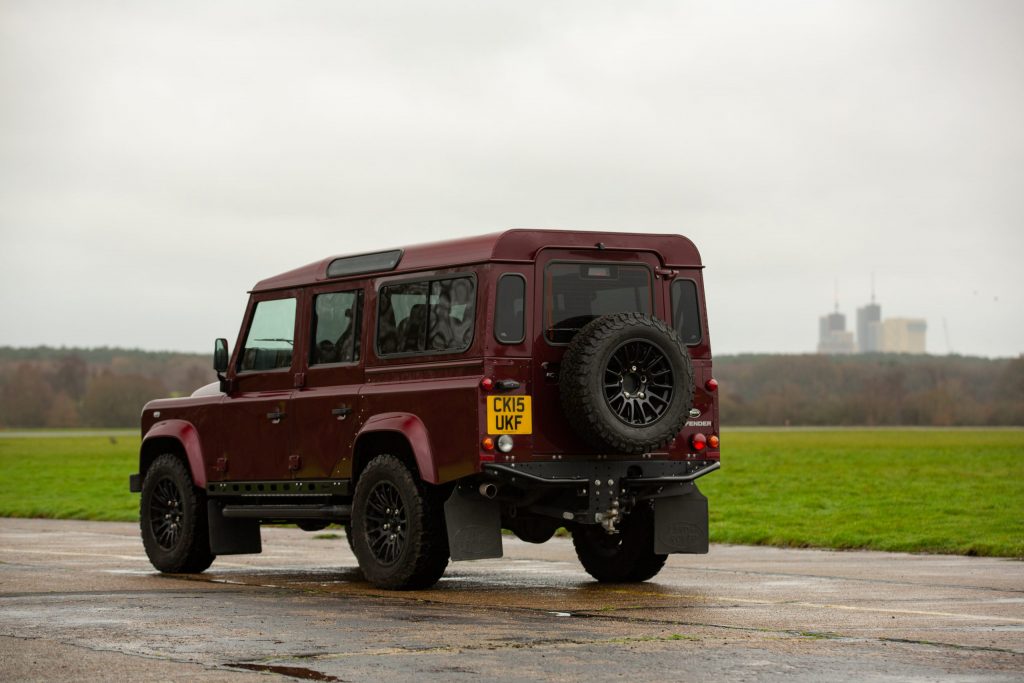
(79, 600)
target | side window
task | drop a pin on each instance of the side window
(336, 327)
(426, 316)
(271, 336)
(686, 311)
(509, 309)
(402, 325)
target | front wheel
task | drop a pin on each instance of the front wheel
(398, 527)
(172, 518)
(625, 557)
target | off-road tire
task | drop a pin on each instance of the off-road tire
(178, 543)
(626, 557)
(421, 547)
(586, 366)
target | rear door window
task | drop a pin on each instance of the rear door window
(686, 311)
(576, 293)
(336, 327)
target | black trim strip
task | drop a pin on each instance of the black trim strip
(316, 487)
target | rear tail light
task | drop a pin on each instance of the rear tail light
(698, 441)
(487, 384)
(711, 384)
(487, 444)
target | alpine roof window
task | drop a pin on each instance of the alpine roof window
(364, 263)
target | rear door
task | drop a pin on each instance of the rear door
(573, 288)
(325, 408)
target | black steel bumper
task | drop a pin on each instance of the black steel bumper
(628, 473)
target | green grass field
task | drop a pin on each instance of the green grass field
(940, 491)
(943, 491)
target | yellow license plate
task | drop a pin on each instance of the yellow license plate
(509, 415)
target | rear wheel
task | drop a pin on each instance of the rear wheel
(625, 557)
(398, 528)
(172, 518)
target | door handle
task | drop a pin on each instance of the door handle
(275, 416)
(342, 412)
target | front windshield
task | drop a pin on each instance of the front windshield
(576, 293)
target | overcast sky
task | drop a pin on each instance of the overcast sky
(158, 158)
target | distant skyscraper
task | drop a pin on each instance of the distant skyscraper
(832, 334)
(869, 318)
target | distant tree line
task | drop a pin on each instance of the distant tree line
(47, 387)
(873, 389)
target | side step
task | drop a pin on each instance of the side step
(340, 513)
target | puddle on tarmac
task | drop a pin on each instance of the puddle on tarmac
(293, 671)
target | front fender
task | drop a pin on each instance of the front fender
(414, 431)
(186, 435)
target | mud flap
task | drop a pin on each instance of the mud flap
(681, 523)
(232, 536)
(474, 525)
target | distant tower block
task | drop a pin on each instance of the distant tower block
(869, 320)
(832, 334)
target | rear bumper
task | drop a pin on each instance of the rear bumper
(627, 473)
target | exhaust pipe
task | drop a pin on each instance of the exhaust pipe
(488, 490)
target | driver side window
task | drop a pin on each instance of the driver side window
(268, 345)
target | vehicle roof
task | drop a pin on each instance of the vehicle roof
(520, 245)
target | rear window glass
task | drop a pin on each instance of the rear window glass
(576, 293)
(686, 311)
(433, 316)
(510, 301)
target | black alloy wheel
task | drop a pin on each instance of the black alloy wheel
(638, 383)
(165, 513)
(386, 523)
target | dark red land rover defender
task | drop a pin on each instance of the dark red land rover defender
(428, 397)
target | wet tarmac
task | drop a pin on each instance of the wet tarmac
(79, 601)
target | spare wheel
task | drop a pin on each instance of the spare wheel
(626, 383)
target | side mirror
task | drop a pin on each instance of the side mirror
(220, 356)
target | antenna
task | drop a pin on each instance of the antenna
(872, 285)
(837, 294)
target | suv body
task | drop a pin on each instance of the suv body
(428, 397)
